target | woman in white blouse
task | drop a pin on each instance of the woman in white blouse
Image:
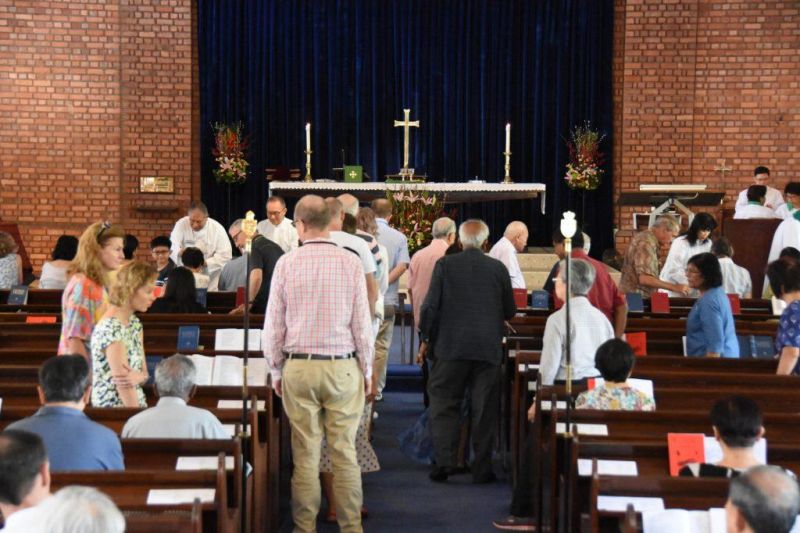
(695, 241)
(54, 273)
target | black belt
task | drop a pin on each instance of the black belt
(319, 357)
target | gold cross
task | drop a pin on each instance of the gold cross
(722, 169)
(353, 174)
(406, 123)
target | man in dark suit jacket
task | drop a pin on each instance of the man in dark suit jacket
(462, 319)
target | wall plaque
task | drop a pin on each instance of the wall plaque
(154, 184)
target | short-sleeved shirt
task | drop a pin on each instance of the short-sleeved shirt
(397, 246)
(82, 304)
(264, 256)
(735, 279)
(72, 440)
(640, 258)
(789, 330)
(710, 326)
(171, 418)
(107, 331)
(615, 399)
(358, 246)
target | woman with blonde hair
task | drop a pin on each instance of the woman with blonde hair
(84, 298)
(10, 262)
(118, 363)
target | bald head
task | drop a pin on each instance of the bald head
(473, 233)
(349, 203)
(764, 498)
(382, 208)
(517, 233)
(313, 212)
(337, 213)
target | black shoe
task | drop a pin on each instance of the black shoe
(438, 475)
(484, 479)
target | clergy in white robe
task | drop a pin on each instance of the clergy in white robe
(198, 230)
(277, 227)
(787, 234)
(696, 241)
(791, 193)
(514, 240)
(774, 198)
(755, 208)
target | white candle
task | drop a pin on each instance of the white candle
(308, 136)
(508, 137)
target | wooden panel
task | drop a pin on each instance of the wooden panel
(751, 240)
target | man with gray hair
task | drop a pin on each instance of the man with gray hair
(197, 230)
(589, 327)
(77, 509)
(172, 418)
(421, 268)
(640, 272)
(350, 207)
(462, 325)
(514, 240)
(263, 257)
(764, 499)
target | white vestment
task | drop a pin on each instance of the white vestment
(674, 270)
(750, 211)
(774, 199)
(212, 240)
(786, 234)
(284, 234)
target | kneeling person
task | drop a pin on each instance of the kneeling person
(172, 418)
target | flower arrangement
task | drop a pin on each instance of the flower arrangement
(413, 214)
(585, 158)
(229, 152)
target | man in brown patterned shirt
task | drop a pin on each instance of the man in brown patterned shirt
(640, 270)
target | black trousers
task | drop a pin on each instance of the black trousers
(448, 382)
(522, 496)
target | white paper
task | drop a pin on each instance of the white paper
(713, 451)
(257, 372)
(227, 371)
(676, 521)
(620, 503)
(237, 404)
(607, 467)
(547, 405)
(202, 463)
(204, 366)
(600, 430)
(531, 386)
(717, 521)
(230, 429)
(512, 354)
(178, 496)
(644, 386)
(233, 340)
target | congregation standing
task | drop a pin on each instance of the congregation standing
(327, 282)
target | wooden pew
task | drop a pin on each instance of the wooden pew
(49, 300)
(170, 521)
(130, 489)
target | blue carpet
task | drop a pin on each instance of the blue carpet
(401, 498)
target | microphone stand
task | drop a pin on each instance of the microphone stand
(249, 229)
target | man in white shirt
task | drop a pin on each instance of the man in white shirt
(199, 231)
(735, 279)
(172, 418)
(791, 193)
(755, 208)
(277, 227)
(514, 240)
(774, 199)
(26, 480)
(356, 245)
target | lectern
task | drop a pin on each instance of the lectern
(665, 196)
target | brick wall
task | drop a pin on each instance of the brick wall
(93, 95)
(698, 81)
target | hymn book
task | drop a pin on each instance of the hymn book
(635, 302)
(683, 521)
(638, 342)
(540, 300)
(188, 338)
(226, 370)
(659, 303)
(18, 295)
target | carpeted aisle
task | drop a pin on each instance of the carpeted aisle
(400, 498)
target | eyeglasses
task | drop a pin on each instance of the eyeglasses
(106, 225)
(275, 213)
(295, 221)
(236, 236)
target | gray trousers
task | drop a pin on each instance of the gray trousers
(446, 386)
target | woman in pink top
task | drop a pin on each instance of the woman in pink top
(84, 298)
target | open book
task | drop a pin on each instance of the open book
(683, 521)
(226, 370)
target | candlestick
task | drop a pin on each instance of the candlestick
(308, 136)
(308, 177)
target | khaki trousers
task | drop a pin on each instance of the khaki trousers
(382, 344)
(324, 397)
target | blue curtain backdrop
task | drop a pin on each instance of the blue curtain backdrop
(464, 67)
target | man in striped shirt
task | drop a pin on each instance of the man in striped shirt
(317, 340)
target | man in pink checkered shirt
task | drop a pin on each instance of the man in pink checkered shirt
(318, 343)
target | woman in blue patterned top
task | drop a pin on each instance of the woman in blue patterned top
(118, 363)
(784, 279)
(710, 329)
